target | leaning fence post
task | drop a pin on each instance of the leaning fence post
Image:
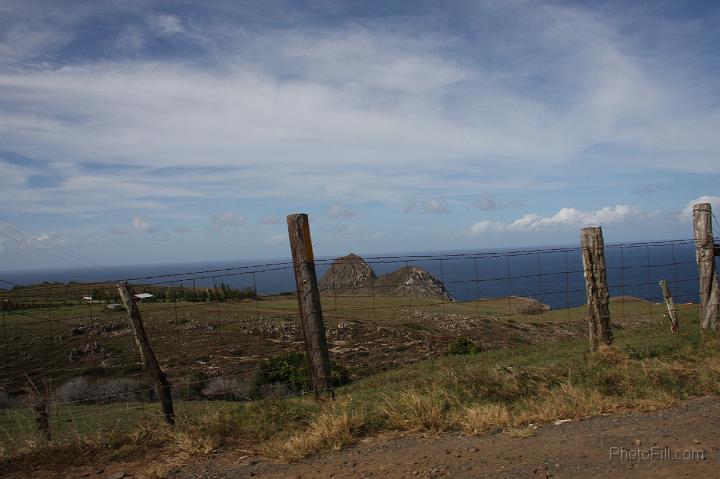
(147, 355)
(308, 294)
(670, 306)
(705, 252)
(596, 287)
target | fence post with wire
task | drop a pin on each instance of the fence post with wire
(310, 309)
(705, 252)
(596, 287)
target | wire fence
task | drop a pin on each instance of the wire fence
(232, 333)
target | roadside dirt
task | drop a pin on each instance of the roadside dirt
(632, 445)
(620, 446)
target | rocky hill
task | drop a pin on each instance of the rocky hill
(346, 274)
(352, 275)
(412, 281)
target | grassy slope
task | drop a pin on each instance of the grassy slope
(511, 388)
(185, 333)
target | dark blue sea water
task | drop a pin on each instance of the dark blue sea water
(551, 275)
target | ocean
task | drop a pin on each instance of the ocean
(551, 275)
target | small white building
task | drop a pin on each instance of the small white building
(144, 297)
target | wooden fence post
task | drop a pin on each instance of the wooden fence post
(596, 287)
(147, 355)
(41, 404)
(705, 256)
(310, 309)
(670, 306)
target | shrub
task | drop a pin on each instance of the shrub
(462, 345)
(289, 370)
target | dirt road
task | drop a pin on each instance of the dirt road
(683, 441)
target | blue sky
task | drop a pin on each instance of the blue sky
(138, 131)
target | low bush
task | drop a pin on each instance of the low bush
(288, 371)
(462, 345)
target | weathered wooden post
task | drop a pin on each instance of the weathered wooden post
(596, 287)
(41, 405)
(147, 355)
(705, 252)
(670, 305)
(310, 310)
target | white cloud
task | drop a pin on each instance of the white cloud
(220, 220)
(563, 218)
(11, 236)
(276, 240)
(345, 109)
(166, 24)
(687, 212)
(141, 225)
(435, 206)
(337, 211)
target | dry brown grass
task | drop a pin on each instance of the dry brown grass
(418, 410)
(332, 430)
(522, 432)
(208, 435)
(481, 418)
(563, 402)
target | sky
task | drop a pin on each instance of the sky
(150, 131)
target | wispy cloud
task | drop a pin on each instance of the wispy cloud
(12, 238)
(182, 229)
(270, 220)
(485, 202)
(112, 109)
(409, 207)
(433, 206)
(141, 225)
(166, 24)
(338, 211)
(228, 218)
(307, 94)
(276, 240)
(649, 189)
